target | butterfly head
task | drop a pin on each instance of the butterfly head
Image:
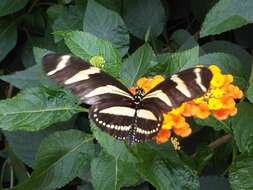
(139, 95)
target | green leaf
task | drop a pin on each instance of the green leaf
(87, 186)
(25, 144)
(165, 175)
(214, 182)
(161, 166)
(86, 45)
(116, 148)
(39, 53)
(31, 77)
(61, 157)
(111, 173)
(69, 20)
(228, 64)
(233, 49)
(136, 65)
(182, 40)
(217, 125)
(200, 9)
(34, 21)
(8, 37)
(242, 124)
(55, 11)
(150, 150)
(170, 63)
(19, 167)
(142, 16)
(250, 93)
(202, 157)
(37, 108)
(28, 57)
(114, 5)
(106, 24)
(227, 15)
(8, 7)
(241, 172)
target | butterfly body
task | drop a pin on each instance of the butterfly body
(114, 109)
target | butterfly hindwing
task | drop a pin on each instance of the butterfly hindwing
(123, 121)
(89, 83)
(149, 121)
(179, 88)
(114, 117)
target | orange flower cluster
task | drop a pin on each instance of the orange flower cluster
(218, 101)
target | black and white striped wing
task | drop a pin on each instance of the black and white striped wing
(115, 118)
(89, 83)
(179, 88)
(123, 121)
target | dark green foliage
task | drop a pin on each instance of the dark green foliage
(47, 141)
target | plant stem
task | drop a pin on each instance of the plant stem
(220, 141)
(11, 176)
(234, 155)
(32, 6)
(3, 171)
(9, 92)
(251, 75)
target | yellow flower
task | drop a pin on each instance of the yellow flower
(214, 69)
(216, 92)
(177, 111)
(97, 61)
(217, 80)
(199, 100)
(214, 104)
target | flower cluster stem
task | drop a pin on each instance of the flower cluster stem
(220, 141)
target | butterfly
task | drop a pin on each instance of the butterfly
(113, 108)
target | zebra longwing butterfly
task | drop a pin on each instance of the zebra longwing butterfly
(114, 109)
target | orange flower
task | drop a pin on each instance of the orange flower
(163, 136)
(132, 90)
(228, 102)
(182, 130)
(233, 91)
(203, 111)
(190, 109)
(148, 83)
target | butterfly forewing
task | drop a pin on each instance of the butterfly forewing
(89, 83)
(181, 87)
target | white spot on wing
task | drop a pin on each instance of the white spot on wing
(199, 80)
(61, 65)
(181, 86)
(82, 75)
(119, 110)
(161, 95)
(108, 89)
(146, 114)
(144, 132)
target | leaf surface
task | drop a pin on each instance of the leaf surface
(227, 15)
(61, 157)
(37, 108)
(106, 24)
